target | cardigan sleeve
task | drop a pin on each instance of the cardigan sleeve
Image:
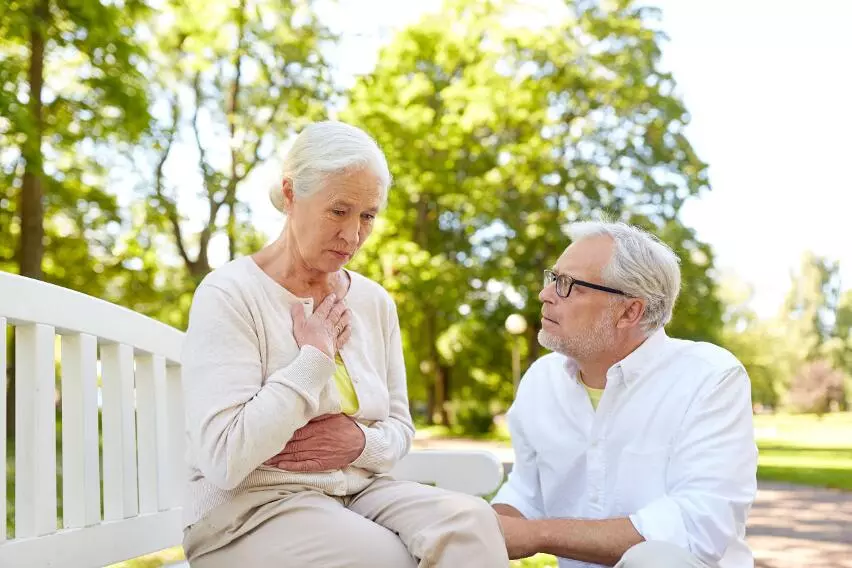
(387, 441)
(235, 420)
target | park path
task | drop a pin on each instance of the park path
(790, 526)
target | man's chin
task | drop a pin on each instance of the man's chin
(550, 341)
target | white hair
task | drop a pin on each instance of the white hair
(325, 148)
(641, 266)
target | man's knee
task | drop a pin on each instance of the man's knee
(656, 554)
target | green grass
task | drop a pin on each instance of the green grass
(806, 449)
(498, 434)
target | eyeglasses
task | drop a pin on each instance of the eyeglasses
(565, 283)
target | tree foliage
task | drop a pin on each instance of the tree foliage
(498, 136)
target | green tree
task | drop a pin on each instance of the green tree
(810, 308)
(809, 333)
(841, 348)
(78, 93)
(71, 92)
(499, 135)
(759, 345)
(231, 82)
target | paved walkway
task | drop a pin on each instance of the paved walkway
(789, 526)
(792, 526)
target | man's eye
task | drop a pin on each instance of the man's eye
(339, 212)
(368, 217)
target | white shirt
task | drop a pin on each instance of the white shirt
(671, 446)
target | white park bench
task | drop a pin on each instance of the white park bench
(121, 500)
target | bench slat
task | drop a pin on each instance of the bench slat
(100, 545)
(176, 438)
(150, 370)
(472, 472)
(81, 492)
(35, 431)
(120, 486)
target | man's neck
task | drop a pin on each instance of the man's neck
(593, 370)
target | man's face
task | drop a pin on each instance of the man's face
(582, 325)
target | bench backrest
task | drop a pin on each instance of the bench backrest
(120, 456)
(121, 436)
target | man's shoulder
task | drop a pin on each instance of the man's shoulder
(547, 363)
(704, 354)
(543, 370)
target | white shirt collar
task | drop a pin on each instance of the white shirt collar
(632, 367)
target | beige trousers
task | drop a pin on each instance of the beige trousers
(658, 554)
(390, 524)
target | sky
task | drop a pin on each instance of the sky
(769, 89)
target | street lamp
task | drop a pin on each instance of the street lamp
(516, 325)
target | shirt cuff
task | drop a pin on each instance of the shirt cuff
(507, 495)
(661, 520)
(373, 455)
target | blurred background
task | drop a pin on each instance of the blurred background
(139, 138)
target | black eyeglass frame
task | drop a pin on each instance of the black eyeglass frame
(550, 277)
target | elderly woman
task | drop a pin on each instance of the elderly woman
(296, 397)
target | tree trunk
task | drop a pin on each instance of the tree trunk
(430, 406)
(534, 349)
(233, 112)
(442, 390)
(31, 251)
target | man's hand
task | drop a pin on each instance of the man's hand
(326, 443)
(519, 533)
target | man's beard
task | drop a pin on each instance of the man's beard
(581, 346)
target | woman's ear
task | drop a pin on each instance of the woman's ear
(289, 195)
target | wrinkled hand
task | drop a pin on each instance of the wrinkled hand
(326, 443)
(519, 535)
(327, 328)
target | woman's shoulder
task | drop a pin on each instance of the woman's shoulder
(232, 279)
(367, 290)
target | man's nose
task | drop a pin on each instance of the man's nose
(546, 294)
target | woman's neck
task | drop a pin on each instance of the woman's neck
(283, 263)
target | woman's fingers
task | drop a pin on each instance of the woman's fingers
(336, 312)
(327, 304)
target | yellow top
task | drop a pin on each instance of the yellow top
(348, 396)
(594, 395)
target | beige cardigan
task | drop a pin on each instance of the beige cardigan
(248, 386)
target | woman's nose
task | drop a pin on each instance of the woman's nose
(352, 233)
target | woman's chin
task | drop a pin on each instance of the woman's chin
(332, 263)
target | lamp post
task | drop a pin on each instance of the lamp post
(516, 325)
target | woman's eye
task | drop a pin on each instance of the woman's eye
(339, 212)
(368, 217)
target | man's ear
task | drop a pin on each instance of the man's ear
(631, 315)
(289, 195)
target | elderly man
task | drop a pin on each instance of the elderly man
(632, 449)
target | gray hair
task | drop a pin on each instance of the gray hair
(641, 265)
(329, 147)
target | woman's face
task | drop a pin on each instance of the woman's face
(330, 226)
